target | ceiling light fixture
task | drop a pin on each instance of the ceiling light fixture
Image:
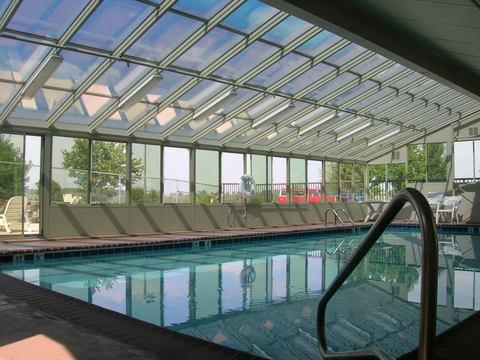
(383, 137)
(212, 107)
(139, 92)
(317, 123)
(260, 120)
(42, 75)
(354, 131)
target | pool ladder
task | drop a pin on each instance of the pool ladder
(428, 297)
(337, 216)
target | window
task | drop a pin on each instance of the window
(331, 181)
(278, 179)
(297, 180)
(109, 172)
(396, 175)
(70, 164)
(467, 161)
(358, 182)
(377, 177)
(207, 176)
(176, 175)
(146, 177)
(346, 182)
(437, 162)
(257, 168)
(417, 157)
(232, 171)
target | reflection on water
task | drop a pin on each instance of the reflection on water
(262, 297)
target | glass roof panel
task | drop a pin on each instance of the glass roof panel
(399, 84)
(287, 31)
(201, 8)
(263, 106)
(118, 79)
(243, 95)
(48, 18)
(201, 93)
(345, 54)
(83, 111)
(422, 87)
(438, 91)
(278, 70)
(8, 91)
(123, 119)
(208, 49)
(318, 43)
(19, 59)
(331, 86)
(250, 16)
(164, 36)
(246, 60)
(274, 136)
(3, 5)
(197, 125)
(40, 106)
(226, 129)
(368, 64)
(389, 72)
(306, 79)
(353, 92)
(170, 82)
(163, 120)
(311, 116)
(73, 70)
(380, 108)
(371, 99)
(111, 22)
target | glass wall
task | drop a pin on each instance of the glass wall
(298, 178)
(437, 162)
(346, 182)
(257, 168)
(315, 189)
(176, 175)
(206, 177)
(466, 168)
(70, 170)
(331, 181)
(146, 174)
(278, 190)
(417, 162)
(109, 172)
(20, 160)
(232, 171)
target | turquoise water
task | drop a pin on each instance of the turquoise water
(261, 297)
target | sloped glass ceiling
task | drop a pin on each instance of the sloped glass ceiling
(233, 73)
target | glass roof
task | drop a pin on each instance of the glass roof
(262, 78)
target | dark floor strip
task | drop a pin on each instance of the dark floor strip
(165, 343)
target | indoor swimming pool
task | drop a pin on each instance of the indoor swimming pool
(261, 296)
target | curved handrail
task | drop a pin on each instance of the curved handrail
(346, 214)
(335, 216)
(428, 299)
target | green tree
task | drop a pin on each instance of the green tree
(11, 169)
(437, 162)
(108, 165)
(417, 162)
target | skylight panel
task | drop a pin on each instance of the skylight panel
(287, 31)
(318, 43)
(250, 16)
(8, 90)
(205, 90)
(246, 60)
(306, 79)
(208, 49)
(278, 70)
(331, 86)
(201, 8)
(111, 23)
(345, 54)
(164, 36)
(353, 92)
(49, 18)
(369, 64)
(40, 105)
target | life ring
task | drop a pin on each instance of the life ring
(247, 185)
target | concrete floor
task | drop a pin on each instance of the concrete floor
(27, 333)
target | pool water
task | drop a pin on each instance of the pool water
(261, 297)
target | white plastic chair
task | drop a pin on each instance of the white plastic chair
(435, 199)
(450, 206)
(12, 215)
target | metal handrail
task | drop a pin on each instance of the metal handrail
(335, 216)
(346, 214)
(428, 298)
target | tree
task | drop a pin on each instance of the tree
(417, 162)
(108, 166)
(11, 169)
(437, 162)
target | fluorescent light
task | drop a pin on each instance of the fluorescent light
(212, 107)
(42, 75)
(272, 135)
(224, 127)
(383, 137)
(354, 130)
(271, 114)
(140, 92)
(316, 123)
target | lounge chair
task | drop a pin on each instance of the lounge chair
(12, 217)
(450, 206)
(435, 199)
